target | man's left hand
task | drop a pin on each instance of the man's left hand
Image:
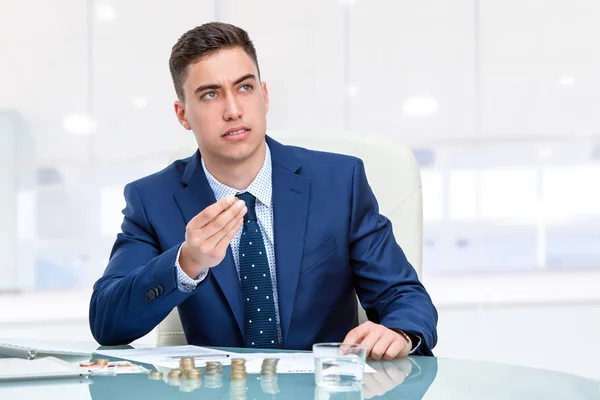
(387, 377)
(380, 342)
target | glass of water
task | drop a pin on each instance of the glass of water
(339, 366)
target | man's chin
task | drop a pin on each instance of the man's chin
(241, 153)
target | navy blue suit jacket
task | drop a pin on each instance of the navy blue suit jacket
(330, 244)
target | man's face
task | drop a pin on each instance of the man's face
(225, 105)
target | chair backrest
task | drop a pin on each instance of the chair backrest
(393, 174)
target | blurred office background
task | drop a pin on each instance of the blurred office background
(498, 99)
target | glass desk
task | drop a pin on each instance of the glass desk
(412, 378)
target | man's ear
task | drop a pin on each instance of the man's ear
(265, 91)
(180, 112)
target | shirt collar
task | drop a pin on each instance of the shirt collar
(261, 187)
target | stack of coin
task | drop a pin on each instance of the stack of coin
(174, 377)
(155, 375)
(238, 369)
(193, 373)
(186, 363)
(269, 367)
(213, 368)
(175, 373)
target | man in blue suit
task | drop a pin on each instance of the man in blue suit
(258, 244)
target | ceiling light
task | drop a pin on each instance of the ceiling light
(79, 124)
(420, 106)
(544, 153)
(566, 80)
(140, 102)
(106, 12)
(352, 91)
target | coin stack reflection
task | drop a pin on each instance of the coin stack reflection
(189, 385)
(213, 381)
(269, 384)
(238, 389)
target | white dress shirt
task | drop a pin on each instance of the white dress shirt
(261, 188)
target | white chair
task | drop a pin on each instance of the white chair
(394, 177)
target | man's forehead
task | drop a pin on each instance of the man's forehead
(225, 65)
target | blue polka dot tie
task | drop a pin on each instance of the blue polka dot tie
(261, 328)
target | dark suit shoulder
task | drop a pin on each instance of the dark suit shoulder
(319, 158)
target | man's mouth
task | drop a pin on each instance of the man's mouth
(235, 133)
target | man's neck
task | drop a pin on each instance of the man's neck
(237, 175)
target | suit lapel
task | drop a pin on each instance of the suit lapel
(194, 196)
(290, 212)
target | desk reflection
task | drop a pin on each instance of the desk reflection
(404, 378)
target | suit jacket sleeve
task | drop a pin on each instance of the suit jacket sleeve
(387, 285)
(139, 286)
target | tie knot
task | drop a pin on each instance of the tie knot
(250, 201)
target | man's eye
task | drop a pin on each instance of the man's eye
(209, 95)
(246, 87)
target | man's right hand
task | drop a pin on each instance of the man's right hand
(208, 234)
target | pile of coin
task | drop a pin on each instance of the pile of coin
(155, 375)
(193, 373)
(174, 377)
(238, 369)
(175, 373)
(186, 363)
(269, 367)
(188, 368)
(213, 368)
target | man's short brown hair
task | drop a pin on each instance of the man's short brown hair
(202, 41)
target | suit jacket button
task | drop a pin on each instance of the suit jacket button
(156, 292)
(150, 295)
(160, 289)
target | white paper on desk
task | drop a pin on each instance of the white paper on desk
(47, 367)
(169, 356)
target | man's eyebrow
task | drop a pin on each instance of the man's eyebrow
(214, 86)
(243, 78)
(211, 86)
